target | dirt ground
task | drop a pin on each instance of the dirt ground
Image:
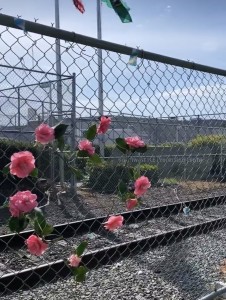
(87, 204)
(103, 204)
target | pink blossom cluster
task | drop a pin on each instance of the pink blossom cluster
(35, 245)
(44, 134)
(142, 184)
(22, 165)
(104, 125)
(134, 142)
(22, 202)
(86, 145)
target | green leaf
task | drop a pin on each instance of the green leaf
(95, 159)
(122, 187)
(34, 173)
(41, 227)
(126, 196)
(18, 224)
(6, 170)
(91, 132)
(81, 248)
(35, 211)
(60, 143)
(141, 149)
(136, 172)
(80, 273)
(82, 153)
(131, 174)
(77, 172)
(121, 145)
(59, 130)
(48, 229)
(5, 204)
(122, 150)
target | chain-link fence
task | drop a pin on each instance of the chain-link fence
(172, 245)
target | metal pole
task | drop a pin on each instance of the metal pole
(52, 160)
(58, 62)
(215, 294)
(43, 113)
(73, 129)
(59, 86)
(18, 108)
(100, 73)
(50, 105)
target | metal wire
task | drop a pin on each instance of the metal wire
(176, 107)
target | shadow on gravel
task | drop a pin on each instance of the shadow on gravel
(174, 266)
(87, 213)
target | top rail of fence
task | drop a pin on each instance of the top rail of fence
(9, 21)
(32, 70)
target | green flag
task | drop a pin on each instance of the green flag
(121, 9)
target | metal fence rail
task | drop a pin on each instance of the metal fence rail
(173, 243)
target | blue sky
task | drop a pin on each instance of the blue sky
(191, 29)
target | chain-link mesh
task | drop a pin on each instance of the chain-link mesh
(172, 245)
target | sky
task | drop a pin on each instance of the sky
(191, 30)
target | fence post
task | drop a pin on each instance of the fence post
(18, 108)
(100, 76)
(73, 128)
(59, 88)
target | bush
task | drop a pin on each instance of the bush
(81, 163)
(207, 140)
(172, 145)
(106, 178)
(107, 150)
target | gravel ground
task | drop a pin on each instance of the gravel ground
(182, 271)
(12, 261)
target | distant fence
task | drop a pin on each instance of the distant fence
(182, 162)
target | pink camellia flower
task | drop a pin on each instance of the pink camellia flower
(141, 185)
(22, 164)
(134, 142)
(74, 260)
(114, 222)
(44, 134)
(87, 146)
(131, 203)
(104, 124)
(35, 245)
(22, 202)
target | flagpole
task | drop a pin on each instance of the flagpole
(100, 72)
(59, 85)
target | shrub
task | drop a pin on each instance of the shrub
(207, 140)
(106, 178)
(173, 145)
(81, 163)
(107, 150)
